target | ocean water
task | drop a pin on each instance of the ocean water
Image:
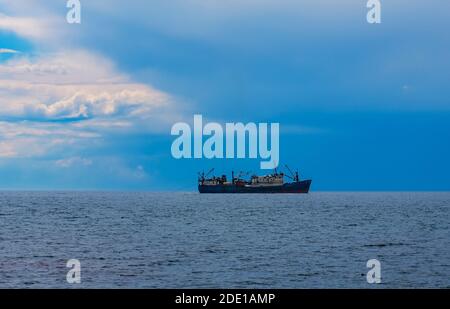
(188, 240)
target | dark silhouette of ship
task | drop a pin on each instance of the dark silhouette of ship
(272, 183)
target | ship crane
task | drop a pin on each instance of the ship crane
(241, 173)
(239, 176)
(202, 176)
(293, 176)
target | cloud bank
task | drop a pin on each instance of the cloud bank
(70, 86)
(67, 94)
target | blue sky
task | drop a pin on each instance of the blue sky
(90, 106)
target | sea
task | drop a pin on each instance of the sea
(189, 240)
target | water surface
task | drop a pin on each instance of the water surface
(188, 240)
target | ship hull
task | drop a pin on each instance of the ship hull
(293, 187)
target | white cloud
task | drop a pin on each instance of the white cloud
(73, 161)
(30, 27)
(56, 103)
(39, 95)
(8, 51)
(10, 130)
(26, 139)
(73, 84)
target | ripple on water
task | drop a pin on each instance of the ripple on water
(189, 240)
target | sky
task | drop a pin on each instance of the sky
(361, 107)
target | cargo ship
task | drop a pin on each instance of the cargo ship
(272, 183)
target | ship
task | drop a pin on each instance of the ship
(272, 183)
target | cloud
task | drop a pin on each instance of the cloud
(8, 51)
(25, 139)
(27, 147)
(63, 100)
(73, 161)
(73, 85)
(59, 103)
(30, 27)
